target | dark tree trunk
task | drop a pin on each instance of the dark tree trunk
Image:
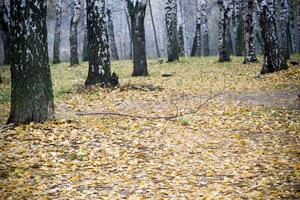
(248, 10)
(197, 44)
(284, 28)
(0, 79)
(31, 94)
(240, 37)
(130, 33)
(99, 63)
(111, 36)
(85, 49)
(181, 41)
(205, 28)
(5, 32)
(74, 60)
(224, 23)
(196, 49)
(137, 13)
(171, 24)
(56, 44)
(273, 60)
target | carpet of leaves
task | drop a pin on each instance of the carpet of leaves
(243, 144)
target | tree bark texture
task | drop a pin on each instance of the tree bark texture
(111, 36)
(5, 32)
(249, 27)
(57, 31)
(99, 62)
(74, 60)
(31, 93)
(273, 59)
(171, 24)
(137, 11)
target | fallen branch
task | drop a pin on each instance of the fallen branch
(157, 117)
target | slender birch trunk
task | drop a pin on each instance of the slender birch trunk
(171, 24)
(57, 31)
(74, 60)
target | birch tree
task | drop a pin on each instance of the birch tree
(85, 49)
(31, 92)
(273, 59)
(181, 23)
(249, 27)
(5, 32)
(284, 28)
(74, 60)
(171, 24)
(197, 44)
(57, 31)
(238, 24)
(225, 9)
(99, 62)
(111, 36)
(205, 28)
(137, 11)
(155, 34)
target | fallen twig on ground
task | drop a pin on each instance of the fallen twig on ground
(155, 117)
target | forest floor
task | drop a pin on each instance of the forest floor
(242, 144)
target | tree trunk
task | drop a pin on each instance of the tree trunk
(298, 26)
(180, 28)
(183, 36)
(273, 60)
(205, 28)
(248, 10)
(5, 32)
(155, 34)
(31, 93)
(197, 44)
(85, 49)
(130, 34)
(137, 11)
(171, 24)
(56, 44)
(99, 62)
(240, 37)
(73, 33)
(224, 22)
(284, 28)
(111, 36)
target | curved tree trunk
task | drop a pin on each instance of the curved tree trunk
(171, 24)
(99, 63)
(250, 54)
(137, 11)
(31, 94)
(74, 60)
(5, 32)
(56, 44)
(273, 60)
(111, 36)
(224, 22)
(284, 28)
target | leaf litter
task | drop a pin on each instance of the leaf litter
(232, 148)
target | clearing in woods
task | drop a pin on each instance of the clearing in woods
(243, 144)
